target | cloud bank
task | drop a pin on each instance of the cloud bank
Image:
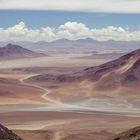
(115, 6)
(69, 30)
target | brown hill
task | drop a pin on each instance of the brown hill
(118, 79)
(124, 70)
(12, 51)
(120, 72)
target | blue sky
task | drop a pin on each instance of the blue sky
(36, 18)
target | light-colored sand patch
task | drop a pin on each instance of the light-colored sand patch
(50, 62)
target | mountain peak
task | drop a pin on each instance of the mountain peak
(13, 46)
(16, 51)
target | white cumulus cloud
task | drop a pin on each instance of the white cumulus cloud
(69, 30)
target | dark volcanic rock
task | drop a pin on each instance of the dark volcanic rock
(133, 134)
(6, 134)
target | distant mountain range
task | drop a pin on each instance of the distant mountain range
(78, 43)
(12, 51)
(85, 46)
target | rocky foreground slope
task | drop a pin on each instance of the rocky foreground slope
(133, 134)
(6, 134)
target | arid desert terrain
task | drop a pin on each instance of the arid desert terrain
(68, 97)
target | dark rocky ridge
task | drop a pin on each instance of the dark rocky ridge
(133, 134)
(6, 134)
